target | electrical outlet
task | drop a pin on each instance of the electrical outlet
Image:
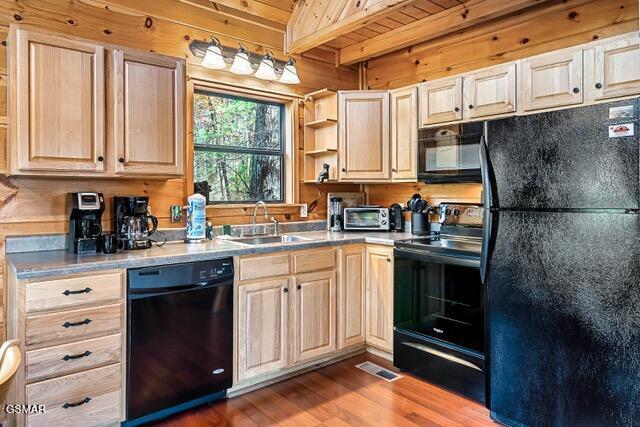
(304, 211)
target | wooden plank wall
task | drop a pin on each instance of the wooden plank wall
(37, 205)
(555, 25)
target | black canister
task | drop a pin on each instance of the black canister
(420, 223)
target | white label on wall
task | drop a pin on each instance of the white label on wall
(625, 129)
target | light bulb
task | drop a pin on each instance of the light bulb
(289, 73)
(241, 64)
(213, 57)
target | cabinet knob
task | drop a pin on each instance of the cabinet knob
(394, 170)
(576, 90)
(388, 259)
(344, 169)
(598, 85)
(470, 106)
(100, 158)
(121, 159)
(456, 109)
(299, 287)
(285, 290)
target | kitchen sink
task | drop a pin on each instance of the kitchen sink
(262, 240)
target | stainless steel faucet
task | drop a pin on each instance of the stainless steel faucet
(276, 223)
(255, 211)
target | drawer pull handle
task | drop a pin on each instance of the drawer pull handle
(76, 356)
(68, 405)
(84, 322)
(82, 291)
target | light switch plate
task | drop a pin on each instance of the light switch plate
(304, 211)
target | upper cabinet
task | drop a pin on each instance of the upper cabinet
(441, 101)
(149, 114)
(57, 105)
(404, 134)
(489, 92)
(363, 141)
(552, 80)
(82, 109)
(617, 68)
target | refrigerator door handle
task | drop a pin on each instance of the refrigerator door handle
(486, 201)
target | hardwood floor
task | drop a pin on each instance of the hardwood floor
(340, 395)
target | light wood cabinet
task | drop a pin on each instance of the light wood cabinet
(314, 315)
(441, 101)
(552, 80)
(379, 299)
(490, 92)
(351, 295)
(617, 68)
(404, 134)
(57, 104)
(363, 141)
(149, 114)
(262, 327)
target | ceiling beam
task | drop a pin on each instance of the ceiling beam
(315, 22)
(200, 18)
(448, 21)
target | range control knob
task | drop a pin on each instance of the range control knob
(448, 211)
(456, 212)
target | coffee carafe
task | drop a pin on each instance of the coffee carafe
(335, 214)
(85, 222)
(133, 223)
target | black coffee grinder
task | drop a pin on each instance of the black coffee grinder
(132, 221)
(85, 222)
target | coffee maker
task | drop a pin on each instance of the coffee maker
(85, 222)
(132, 221)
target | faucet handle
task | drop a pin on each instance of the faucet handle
(275, 225)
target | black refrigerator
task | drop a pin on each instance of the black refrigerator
(561, 266)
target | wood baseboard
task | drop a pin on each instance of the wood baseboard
(379, 352)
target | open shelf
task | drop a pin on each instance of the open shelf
(313, 181)
(320, 151)
(321, 123)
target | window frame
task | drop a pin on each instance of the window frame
(282, 152)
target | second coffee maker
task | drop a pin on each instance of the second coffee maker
(133, 223)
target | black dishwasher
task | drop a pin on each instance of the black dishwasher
(180, 337)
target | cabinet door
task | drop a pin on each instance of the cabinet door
(404, 134)
(58, 104)
(552, 80)
(314, 315)
(490, 92)
(441, 101)
(364, 135)
(351, 301)
(379, 301)
(617, 68)
(262, 328)
(149, 114)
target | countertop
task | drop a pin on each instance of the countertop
(52, 263)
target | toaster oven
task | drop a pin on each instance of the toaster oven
(366, 219)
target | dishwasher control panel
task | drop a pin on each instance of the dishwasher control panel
(177, 275)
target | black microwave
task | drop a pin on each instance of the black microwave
(450, 153)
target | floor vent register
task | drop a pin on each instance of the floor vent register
(379, 371)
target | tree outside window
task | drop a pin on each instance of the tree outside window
(239, 148)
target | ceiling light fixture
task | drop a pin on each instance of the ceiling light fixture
(266, 69)
(289, 73)
(213, 57)
(241, 64)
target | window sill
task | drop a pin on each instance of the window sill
(252, 205)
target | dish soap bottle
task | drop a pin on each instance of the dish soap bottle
(196, 217)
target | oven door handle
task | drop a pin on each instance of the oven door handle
(436, 258)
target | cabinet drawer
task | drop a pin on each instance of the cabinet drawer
(314, 260)
(73, 324)
(257, 267)
(68, 358)
(72, 291)
(87, 398)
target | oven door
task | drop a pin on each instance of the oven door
(440, 297)
(450, 153)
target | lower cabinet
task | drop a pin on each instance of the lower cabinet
(262, 327)
(351, 293)
(379, 299)
(314, 315)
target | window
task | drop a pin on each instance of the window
(239, 148)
